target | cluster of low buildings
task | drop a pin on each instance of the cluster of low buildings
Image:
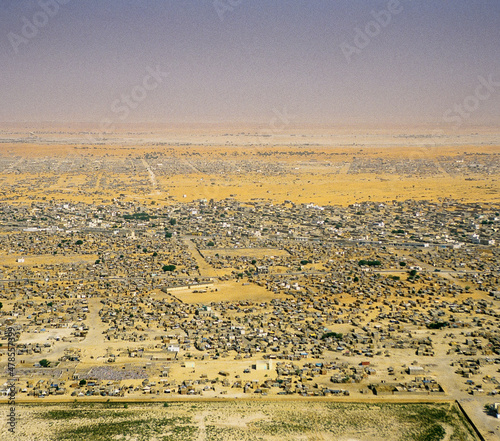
(366, 281)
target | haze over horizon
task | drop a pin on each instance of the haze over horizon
(349, 61)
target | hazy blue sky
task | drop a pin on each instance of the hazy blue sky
(237, 60)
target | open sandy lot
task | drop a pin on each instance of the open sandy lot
(243, 420)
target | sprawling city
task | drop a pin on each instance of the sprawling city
(244, 221)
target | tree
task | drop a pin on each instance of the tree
(335, 335)
(168, 235)
(402, 263)
(44, 363)
(1, 305)
(437, 325)
(210, 244)
(369, 262)
(79, 242)
(172, 221)
(83, 382)
(169, 268)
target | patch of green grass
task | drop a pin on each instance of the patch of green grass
(433, 433)
(141, 428)
(82, 413)
(106, 431)
(111, 422)
(182, 433)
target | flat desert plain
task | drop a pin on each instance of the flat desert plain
(302, 164)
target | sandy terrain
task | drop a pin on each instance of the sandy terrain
(244, 420)
(302, 164)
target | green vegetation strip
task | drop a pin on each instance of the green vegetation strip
(250, 420)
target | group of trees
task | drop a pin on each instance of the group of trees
(369, 262)
(437, 325)
(413, 275)
(169, 268)
(172, 222)
(335, 335)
